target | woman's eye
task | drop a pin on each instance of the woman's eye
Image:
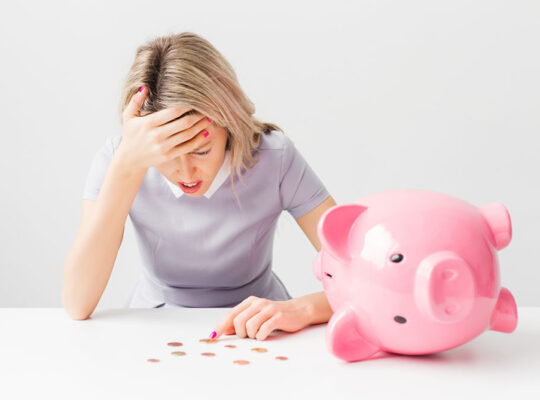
(202, 153)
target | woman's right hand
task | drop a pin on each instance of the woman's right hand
(161, 136)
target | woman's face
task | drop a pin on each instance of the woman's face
(201, 164)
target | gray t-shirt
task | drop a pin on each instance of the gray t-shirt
(207, 251)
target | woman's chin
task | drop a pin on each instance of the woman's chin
(194, 194)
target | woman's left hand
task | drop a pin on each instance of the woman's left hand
(257, 317)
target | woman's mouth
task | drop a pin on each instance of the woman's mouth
(190, 187)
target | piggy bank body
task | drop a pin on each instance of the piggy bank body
(412, 272)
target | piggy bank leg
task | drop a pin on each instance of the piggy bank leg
(504, 317)
(344, 337)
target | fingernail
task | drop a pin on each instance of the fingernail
(209, 119)
(213, 334)
(141, 88)
(206, 134)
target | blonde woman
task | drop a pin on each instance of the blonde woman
(188, 131)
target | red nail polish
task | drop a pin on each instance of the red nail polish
(141, 88)
(209, 120)
(206, 134)
(213, 334)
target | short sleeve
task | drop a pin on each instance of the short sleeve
(98, 168)
(300, 188)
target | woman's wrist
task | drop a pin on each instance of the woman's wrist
(316, 308)
(126, 164)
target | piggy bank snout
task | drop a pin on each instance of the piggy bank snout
(445, 287)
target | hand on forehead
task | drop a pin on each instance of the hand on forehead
(174, 113)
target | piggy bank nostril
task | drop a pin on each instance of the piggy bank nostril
(400, 319)
(327, 274)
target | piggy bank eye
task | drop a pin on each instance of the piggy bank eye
(396, 257)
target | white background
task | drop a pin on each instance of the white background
(375, 94)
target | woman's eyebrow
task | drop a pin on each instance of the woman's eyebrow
(201, 146)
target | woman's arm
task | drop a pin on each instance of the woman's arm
(319, 310)
(308, 222)
(90, 261)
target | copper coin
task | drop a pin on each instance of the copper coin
(241, 362)
(208, 354)
(152, 360)
(207, 340)
(174, 344)
(281, 358)
(259, 349)
(230, 346)
(178, 353)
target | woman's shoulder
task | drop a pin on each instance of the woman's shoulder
(274, 140)
(278, 149)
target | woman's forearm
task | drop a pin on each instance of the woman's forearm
(317, 306)
(91, 259)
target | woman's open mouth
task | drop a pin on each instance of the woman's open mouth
(190, 187)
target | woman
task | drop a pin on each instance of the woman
(187, 126)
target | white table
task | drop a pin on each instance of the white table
(45, 354)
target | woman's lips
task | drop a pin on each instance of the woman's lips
(193, 189)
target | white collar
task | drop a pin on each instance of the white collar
(222, 174)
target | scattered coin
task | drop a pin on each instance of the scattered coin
(281, 358)
(154, 360)
(241, 362)
(259, 349)
(174, 344)
(207, 340)
(208, 354)
(230, 346)
(178, 353)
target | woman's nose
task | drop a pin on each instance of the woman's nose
(185, 169)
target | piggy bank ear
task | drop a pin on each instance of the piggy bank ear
(500, 226)
(445, 287)
(334, 226)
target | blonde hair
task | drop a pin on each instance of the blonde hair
(185, 69)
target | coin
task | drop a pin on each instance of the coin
(154, 360)
(259, 349)
(241, 362)
(174, 344)
(281, 358)
(208, 354)
(206, 340)
(230, 346)
(178, 353)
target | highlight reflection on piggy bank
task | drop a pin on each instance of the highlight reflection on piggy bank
(412, 272)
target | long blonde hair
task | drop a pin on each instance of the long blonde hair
(185, 69)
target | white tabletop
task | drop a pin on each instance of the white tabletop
(45, 354)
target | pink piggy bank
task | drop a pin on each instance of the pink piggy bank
(412, 272)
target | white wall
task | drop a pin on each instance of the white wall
(376, 95)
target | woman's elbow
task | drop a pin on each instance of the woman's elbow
(74, 311)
